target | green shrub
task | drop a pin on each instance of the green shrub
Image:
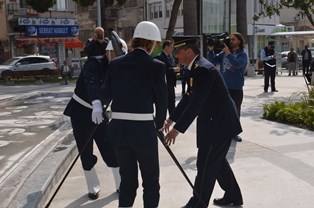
(299, 113)
(270, 110)
(309, 118)
(289, 115)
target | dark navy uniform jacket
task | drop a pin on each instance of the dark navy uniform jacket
(170, 75)
(207, 99)
(136, 84)
(88, 84)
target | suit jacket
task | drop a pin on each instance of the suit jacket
(207, 99)
(309, 55)
(87, 86)
(94, 48)
(170, 74)
(136, 82)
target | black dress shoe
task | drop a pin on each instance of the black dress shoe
(226, 202)
(93, 196)
(274, 90)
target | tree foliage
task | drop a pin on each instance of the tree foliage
(304, 7)
(107, 3)
(84, 3)
(40, 6)
(173, 18)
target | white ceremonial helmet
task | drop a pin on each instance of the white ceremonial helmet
(124, 46)
(147, 30)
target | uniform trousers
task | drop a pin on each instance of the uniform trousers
(269, 72)
(171, 98)
(85, 133)
(212, 164)
(147, 158)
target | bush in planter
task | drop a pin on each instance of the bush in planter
(300, 113)
(270, 110)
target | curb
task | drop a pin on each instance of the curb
(38, 185)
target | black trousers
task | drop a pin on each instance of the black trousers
(147, 158)
(171, 99)
(85, 135)
(237, 97)
(306, 65)
(211, 165)
(269, 72)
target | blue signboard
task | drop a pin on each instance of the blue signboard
(52, 31)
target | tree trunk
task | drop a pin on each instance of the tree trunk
(190, 17)
(241, 18)
(173, 18)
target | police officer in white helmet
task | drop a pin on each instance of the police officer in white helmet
(135, 85)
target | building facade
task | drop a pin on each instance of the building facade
(29, 32)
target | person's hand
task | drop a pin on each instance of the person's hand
(167, 125)
(97, 116)
(95, 37)
(176, 69)
(226, 50)
(210, 48)
(170, 138)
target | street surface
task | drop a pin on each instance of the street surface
(31, 117)
(24, 126)
(274, 164)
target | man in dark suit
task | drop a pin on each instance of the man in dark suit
(86, 113)
(171, 72)
(135, 84)
(207, 99)
(306, 59)
(96, 46)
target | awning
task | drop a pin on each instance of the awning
(294, 33)
(74, 44)
(40, 40)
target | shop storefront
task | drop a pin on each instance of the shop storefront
(57, 38)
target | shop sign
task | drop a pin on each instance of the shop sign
(52, 31)
(47, 21)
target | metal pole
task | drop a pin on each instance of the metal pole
(253, 41)
(161, 137)
(98, 13)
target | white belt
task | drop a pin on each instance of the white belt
(270, 65)
(82, 102)
(133, 116)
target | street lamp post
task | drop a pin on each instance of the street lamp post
(98, 13)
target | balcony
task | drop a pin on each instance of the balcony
(14, 11)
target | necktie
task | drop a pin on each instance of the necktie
(171, 61)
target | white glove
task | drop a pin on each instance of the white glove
(97, 116)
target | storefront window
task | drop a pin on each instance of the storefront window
(216, 16)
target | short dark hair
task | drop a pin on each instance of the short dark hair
(166, 43)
